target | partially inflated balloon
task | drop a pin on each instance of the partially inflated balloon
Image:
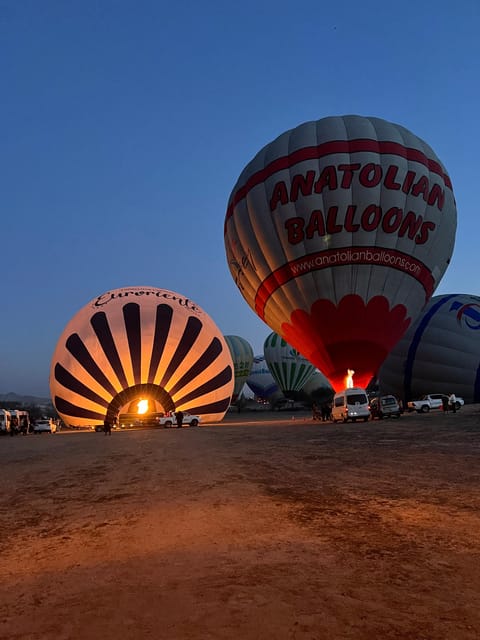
(440, 352)
(242, 357)
(337, 234)
(289, 368)
(261, 381)
(318, 388)
(140, 345)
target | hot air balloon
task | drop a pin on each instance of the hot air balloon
(337, 234)
(439, 353)
(318, 388)
(261, 381)
(242, 357)
(289, 368)
(144, 347)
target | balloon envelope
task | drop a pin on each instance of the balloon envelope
(318, 388)
(242, 357)
(289, 368)
(260, 380)
(440, 352)
(337, 234)
(140, 342)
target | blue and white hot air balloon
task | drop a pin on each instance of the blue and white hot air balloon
(261, 381)
(440, 353)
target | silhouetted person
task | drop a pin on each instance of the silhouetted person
(179, 419)
(445, 404)
(13, 426)
(326, 411)
(107, 427)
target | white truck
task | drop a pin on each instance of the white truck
(432, 401)
(170, 420)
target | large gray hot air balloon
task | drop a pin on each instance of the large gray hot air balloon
(242, 357)
(337, 234)
(440, 353)
(135, 344)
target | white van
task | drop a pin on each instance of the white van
(350, 404)
(4, 421)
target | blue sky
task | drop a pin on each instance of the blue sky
(125, 125)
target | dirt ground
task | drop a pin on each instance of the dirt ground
(253, 529)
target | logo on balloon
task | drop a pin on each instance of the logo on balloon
(468, 313)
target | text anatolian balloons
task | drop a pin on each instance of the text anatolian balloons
(289, 368)
(140, 343)
(242, 357)
(337, 234)
(440, 352)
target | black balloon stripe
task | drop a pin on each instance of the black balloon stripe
(131, 316)
(215, 383)
(205, 360)
(163, 321)
(103, 332)
(214, 407)
(69, 409)
(80, 352)
(66, 379)
(190, 334)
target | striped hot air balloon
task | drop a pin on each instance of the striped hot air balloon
(289, 368)
(242, 357)
(139, 343)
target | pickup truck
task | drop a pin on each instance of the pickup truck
(432, 401)
(170, 421)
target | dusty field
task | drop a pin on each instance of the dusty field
(275, 530)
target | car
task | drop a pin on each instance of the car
(170, 420)
(433, 401)
(385, 407)
(45, 425)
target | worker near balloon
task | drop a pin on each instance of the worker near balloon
(337, 234)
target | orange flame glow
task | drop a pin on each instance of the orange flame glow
(142, 406)
(349, 378)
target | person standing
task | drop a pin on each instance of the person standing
(445, 401)
(107, 427)
(179, 419)
(452, 401)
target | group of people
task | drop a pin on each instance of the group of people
(322, 412)
(16, 427)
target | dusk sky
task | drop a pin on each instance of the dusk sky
(125, 125)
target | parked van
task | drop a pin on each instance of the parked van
(21, 420)
(4, 421)
(350, 404)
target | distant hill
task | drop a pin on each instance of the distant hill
(5, 398)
